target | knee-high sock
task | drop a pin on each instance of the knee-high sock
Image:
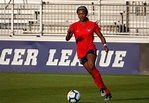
(98, 80)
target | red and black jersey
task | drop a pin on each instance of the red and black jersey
(84, 36)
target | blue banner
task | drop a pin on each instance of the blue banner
(61, 57)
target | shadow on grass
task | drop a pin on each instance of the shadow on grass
(129, 99)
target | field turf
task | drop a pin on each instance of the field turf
(53, 88)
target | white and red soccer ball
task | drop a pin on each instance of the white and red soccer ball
(73, 96)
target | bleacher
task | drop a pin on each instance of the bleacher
(54, 17)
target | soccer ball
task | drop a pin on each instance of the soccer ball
(73, 96)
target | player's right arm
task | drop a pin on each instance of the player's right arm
(69, 35)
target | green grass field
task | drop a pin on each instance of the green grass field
(53, 88)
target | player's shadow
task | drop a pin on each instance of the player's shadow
(126, 99)
(129, 99)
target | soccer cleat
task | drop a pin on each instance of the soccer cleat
(108, 97)
(103, 92)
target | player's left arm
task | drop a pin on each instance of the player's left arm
(103, 40)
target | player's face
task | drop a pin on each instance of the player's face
(82, 15)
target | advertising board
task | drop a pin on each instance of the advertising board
(61, 57)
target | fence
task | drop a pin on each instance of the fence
(47, 19)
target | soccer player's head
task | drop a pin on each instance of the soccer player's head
(83, 8)
(82, 13)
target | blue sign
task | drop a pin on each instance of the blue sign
(61, 57)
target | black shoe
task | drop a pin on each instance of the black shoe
(103, 92)
(108, 97)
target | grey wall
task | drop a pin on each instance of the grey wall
(144, 59)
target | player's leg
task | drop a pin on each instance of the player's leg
(90, 67)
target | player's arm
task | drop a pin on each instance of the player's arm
(103, 41)
(69, 35)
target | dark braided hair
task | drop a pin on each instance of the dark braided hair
(82, 8)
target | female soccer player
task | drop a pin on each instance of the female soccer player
(83, 31)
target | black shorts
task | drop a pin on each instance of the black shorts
(84, 59)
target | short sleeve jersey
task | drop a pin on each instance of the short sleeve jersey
(84, 36)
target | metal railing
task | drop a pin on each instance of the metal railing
(47, 19)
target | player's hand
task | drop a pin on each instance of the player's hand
(106, 49)
(69, 35)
